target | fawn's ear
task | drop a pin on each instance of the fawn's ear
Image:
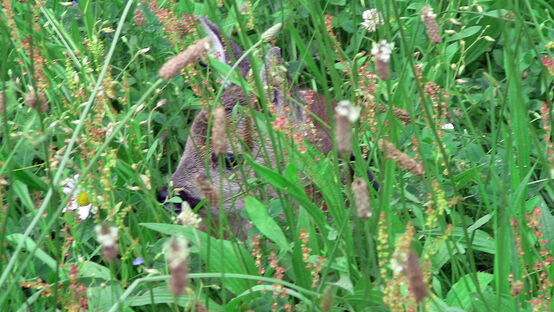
(224, 48)
(273, 76)
(277, 85)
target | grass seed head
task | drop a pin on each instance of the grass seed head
(219, 133)
(327, 299)
(272, 32)
(382, 52)
(33, 99)
(208, 190)
(401, 159)
(361, 195)
(345, 115)
(517, 288)
(177, 252)
(431, 26)
(414, 272)
(192, 54)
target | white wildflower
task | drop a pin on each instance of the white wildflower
(345, 108)
(382, 50)
(187, 217)
(396, 262)
(79, 200)
(447, 126)
(106, 235)
(372, 18)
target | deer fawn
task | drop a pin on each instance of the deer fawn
(192, 167)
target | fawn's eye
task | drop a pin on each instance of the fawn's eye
(230, 160)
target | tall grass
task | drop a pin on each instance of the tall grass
(83, 106)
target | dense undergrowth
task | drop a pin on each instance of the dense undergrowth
(455, 126)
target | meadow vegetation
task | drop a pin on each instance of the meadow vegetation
(447, 104)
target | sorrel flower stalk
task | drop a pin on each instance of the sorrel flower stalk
(278, 289)
(394, 295)
(258, 254)
(139, 17)
(316, 267)
(174, 27)
(548, 63)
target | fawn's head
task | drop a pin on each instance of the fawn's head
(225, 167)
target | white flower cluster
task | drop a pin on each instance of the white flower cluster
(106, 235)
(372, 18)
(382, 50)
(345, 108)
(187, 217)
(427, 12)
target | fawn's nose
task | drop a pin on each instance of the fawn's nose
(162, 194)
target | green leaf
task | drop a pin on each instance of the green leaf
(157, 295)
(280, 182)
(466, 32)
(460, 295)
(249, 295)
(466, 176)
(30, 245)
(95, 270)
(262, 220)
(479, 223)
(22, 192)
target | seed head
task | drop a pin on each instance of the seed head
(431, 26)
(208, 190)
(139, 17)
(382, 52)
(517, 288)
(177, 251)
(402, 160)
(345, 115)
(189, 56)
(248, 133)
(33, 99)
(219, 133)
(273, 31)
(361, 195)
(327, 299)
(414, 272)
(2, 102)
(107, 236)
(399, 113)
